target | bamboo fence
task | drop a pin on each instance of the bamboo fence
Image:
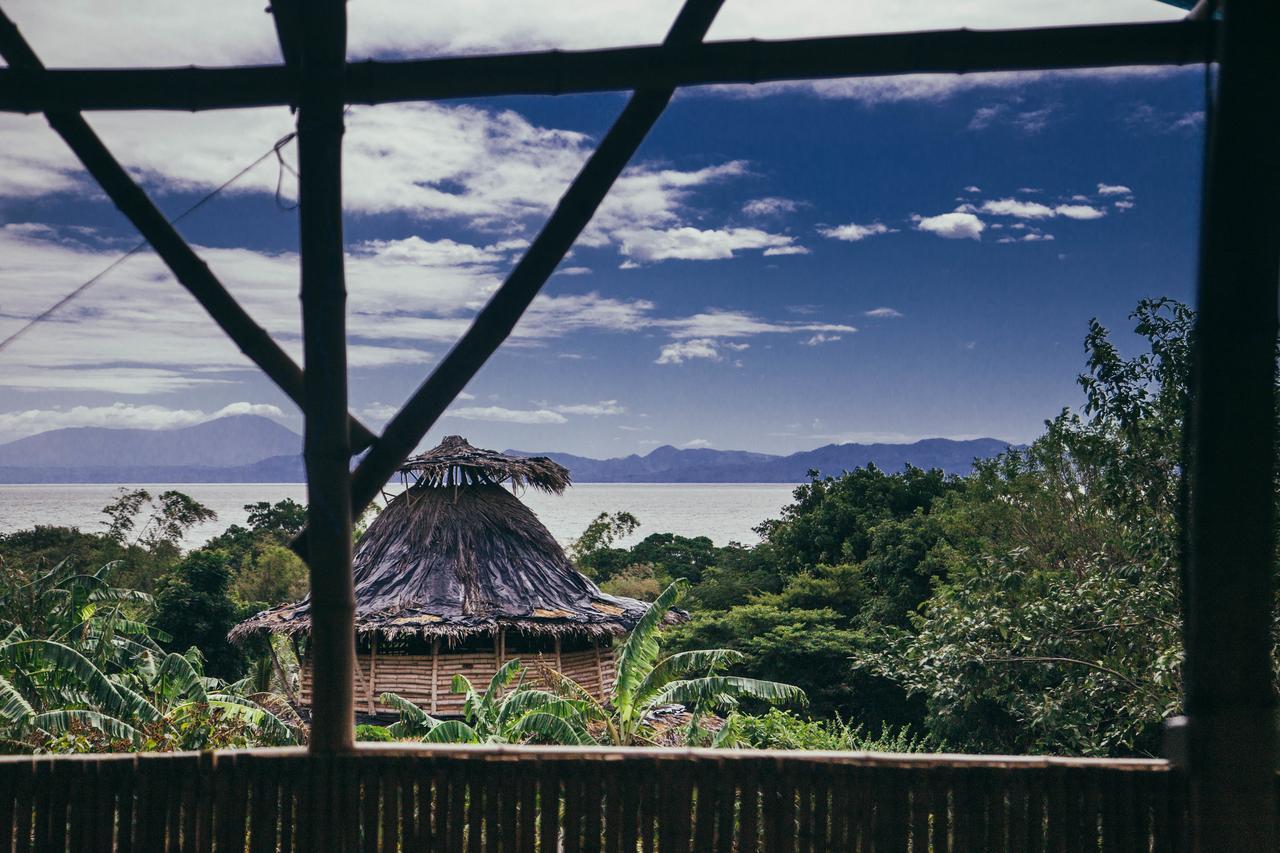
(523, 799)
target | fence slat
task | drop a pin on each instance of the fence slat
(486, 800)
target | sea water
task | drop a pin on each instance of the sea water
(725, 512)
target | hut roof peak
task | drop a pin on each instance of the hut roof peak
(455, 462)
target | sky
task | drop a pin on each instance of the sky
(781, 266)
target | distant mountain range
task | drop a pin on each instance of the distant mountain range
(669, 464)
(253, 449)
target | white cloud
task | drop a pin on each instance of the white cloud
(604, 407)
(821, 338)
(682, 351)
(489, 169)
(501, 414)
(1028, 121)
(770, 206)
(574, 271)
(1020, 209)
(854, 232)
(1113, 189)
(737, 324)
(120, 416)
(973, 189)
(92, 344)
(786, 250)
(1124, 204)
(1079, 211)
(952, 226)
(692, 244)
(696, 443)
(883, 313)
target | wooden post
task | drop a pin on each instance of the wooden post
(559, 663)
(327, 442)
(435, 673)
(1230, 700)
(373, 673)
(595, 645)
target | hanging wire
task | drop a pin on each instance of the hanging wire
(61, 303)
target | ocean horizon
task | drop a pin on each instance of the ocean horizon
(724, 512)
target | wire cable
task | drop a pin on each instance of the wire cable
(70, 297)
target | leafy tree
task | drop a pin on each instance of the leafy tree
(195, 609)
(283, 519)
(274, 576)
(833, 518)
(1058, 627)
(595, 545)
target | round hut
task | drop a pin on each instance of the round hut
(457, 576)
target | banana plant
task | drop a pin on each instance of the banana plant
(645, 680)
(498, 715)
(50, 687)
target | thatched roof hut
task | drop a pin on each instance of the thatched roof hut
(456, 557)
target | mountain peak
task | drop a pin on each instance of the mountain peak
(226, 441)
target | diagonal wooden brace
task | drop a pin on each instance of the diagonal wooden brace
(498, 318)
(182, 261)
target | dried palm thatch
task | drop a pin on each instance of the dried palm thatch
(456, 463)
(456, 555)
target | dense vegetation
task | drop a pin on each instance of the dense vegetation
(1030, 607)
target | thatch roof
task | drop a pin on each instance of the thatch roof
(452, 558)
(456, 463)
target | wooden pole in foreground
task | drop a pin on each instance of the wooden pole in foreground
(327, 441)
(1230, 699)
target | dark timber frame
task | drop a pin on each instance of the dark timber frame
(1231, 751)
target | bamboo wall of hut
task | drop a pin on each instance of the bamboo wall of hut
(427, 679)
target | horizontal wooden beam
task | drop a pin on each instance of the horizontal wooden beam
(566, 72)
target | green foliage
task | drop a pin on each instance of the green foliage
(779, 729)
(283, 519)
(1058, 629)
(638, 581)
(275, 575)
(172, 514)
(375, 734)
(193, 606)
(503, 713)
(595, 545)
(646, 680)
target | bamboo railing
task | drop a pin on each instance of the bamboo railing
(524, 799)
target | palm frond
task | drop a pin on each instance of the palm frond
(641, 649)
(412, 718)
(13, 705)
(451, 731)
(57, 722)
(547, 727)
(701, 661)
(721, 690)
(176, 678)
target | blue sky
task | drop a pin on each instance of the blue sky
(782, 266)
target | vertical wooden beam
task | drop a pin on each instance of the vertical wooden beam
(327, 440)
(595, 645)
(435, 673)
(373, 673)
(1231, 539)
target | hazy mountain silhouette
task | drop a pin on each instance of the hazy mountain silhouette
(253, 449)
